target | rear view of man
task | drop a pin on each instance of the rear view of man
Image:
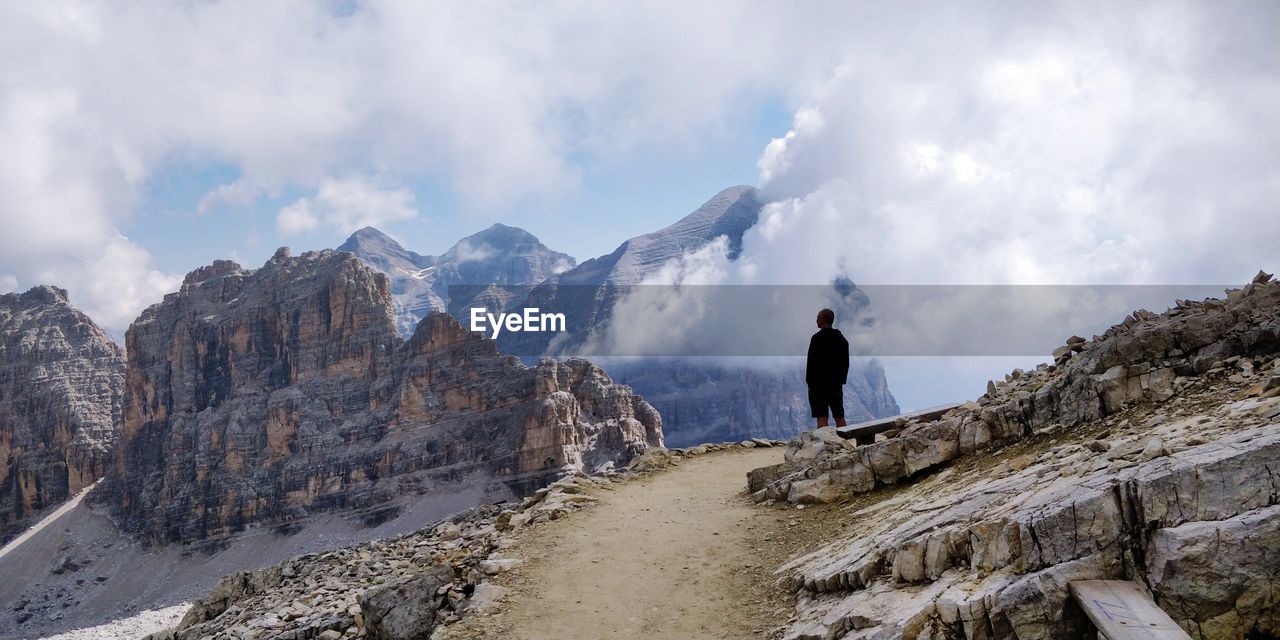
(827, 370)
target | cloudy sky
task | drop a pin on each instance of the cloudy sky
(1004, 142)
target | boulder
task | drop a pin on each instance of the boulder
(407, 608)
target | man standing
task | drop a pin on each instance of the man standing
(827, 370)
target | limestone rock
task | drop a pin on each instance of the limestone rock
(259, 396)
(1143, 456)
(1134, 363)
(406, 609)
(1221, 573)
(61, 380)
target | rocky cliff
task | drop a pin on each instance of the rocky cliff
(261, 396)
(60, 387)
(1147, 453)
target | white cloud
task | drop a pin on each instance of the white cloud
(111, 282)
(492, 99)
(1064, 145)
(1125, 137)
(8, 283)
(297, 218)
(347, 205)
(1083, 146)
(471, 253)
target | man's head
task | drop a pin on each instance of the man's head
(826, 318)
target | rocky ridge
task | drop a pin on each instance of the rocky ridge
(412, 586)
(1147, 453)
(262, 396)
(60, 396)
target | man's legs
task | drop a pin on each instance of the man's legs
(837, 406)
(822, 422)
(818, 406)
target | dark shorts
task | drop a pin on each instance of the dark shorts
(823, 398)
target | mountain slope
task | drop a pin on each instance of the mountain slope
(729, 213)
(61, 379)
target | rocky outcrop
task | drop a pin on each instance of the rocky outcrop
(395, 589)
(262, 396)
(1146, 359)
(1143, 454)
(60, 390)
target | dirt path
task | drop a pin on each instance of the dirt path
(680, 554)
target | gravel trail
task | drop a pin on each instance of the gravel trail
(680, 554)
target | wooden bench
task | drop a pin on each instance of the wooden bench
(1122, 610)
(865, 432)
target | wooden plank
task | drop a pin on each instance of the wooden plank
(1121, 610)
(865, 432)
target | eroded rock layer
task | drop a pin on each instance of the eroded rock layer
(1146, 454)
(259, 396)
(60, 386)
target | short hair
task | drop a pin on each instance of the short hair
(827, 316)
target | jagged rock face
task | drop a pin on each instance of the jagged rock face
(566, 415)
(262, 396)
(1143, 456)
(990, 551)
(499, 255)
(60, 388)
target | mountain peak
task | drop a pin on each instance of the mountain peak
(46, 294)
(368, 237)
(743, 200)
(502, 235)
(729, 213)
(40, 294)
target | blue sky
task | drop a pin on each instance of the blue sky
(618, 198)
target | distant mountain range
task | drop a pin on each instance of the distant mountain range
(699, 402)
(500, 255)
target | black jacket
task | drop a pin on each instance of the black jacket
(828, 363)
